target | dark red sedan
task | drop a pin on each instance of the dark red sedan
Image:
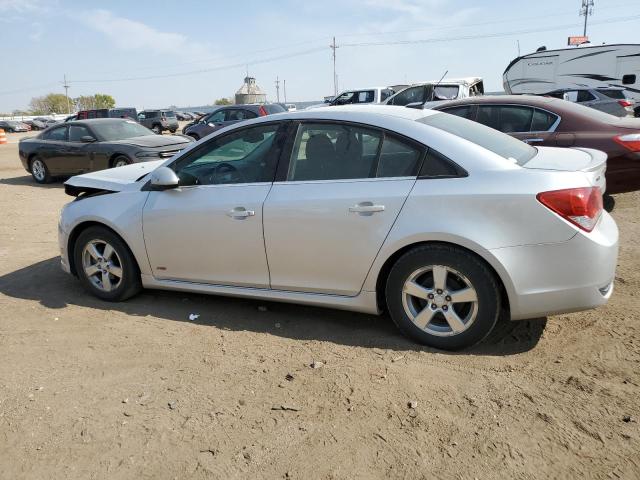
(557, 123)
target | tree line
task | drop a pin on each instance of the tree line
(57, 103)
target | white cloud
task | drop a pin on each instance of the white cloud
(133, 35)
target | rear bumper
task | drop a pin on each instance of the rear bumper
(562, 277)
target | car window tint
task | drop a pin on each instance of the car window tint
(436, 165)
(617, 94)
(585, 96)
(489, 115)
(76, 132)
(397, 159)
(515, 118)
(56, 134)
(386, 93)
(506, 146)
(333, 151)
(462, 111)
(408, 95)
(542, 121)
(243, 156)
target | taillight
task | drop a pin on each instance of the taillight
(630, 141)
(625, 103)
(580, 206)
(262, 111)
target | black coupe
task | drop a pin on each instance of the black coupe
(89, 145)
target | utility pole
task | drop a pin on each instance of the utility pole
(285, 90)
(278, 88)
(333, 47)
(66, 93)
(586, 10)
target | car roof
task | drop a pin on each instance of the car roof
(97, 121)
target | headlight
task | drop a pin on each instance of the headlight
(147, 154)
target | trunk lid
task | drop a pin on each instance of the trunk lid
(592, 162)
(110, 180)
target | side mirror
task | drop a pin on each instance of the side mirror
(87, 139)
(416, 105)
(163, 178)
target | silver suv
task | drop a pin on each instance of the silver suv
(159, 120)
(608, 100)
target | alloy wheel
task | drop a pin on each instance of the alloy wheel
(38, 170)
(102, 265)
(120, 163)
(440, 300)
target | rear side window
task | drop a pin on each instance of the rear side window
(617, 94)
(397, 159)
(463, 111)
(494, 141)
(272, 108)
(386, 93)
(56, 134)
(341, 151)
(76, 132)
(408, 95)
(506, 118)
(436, 165)
(366, 96)
(585, 96)
(168, 114)
(542, 121)
(150, 114)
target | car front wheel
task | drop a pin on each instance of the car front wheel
(157, 129)
(120, 161)
(105, 266)
(39, 171)
(443, 297)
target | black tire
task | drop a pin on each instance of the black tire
(119, 161)
(474, 271)
(129, 284)
(41, 172)
(608, 202)
(173, 131)
(194, 136)
(157, 129)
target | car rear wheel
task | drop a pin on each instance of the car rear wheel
(120, 161)
(157, 129)
(173, 131)
(105, 266)
(39, 171)
(443, 297)
(194, 136)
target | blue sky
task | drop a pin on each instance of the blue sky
(204, 45)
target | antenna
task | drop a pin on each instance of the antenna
(433, 91)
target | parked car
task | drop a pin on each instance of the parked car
(49, 122)
(159, 120)
(548, 121)
(228, 115)
(608, 100)
(445, 223)
(90, 145)
(428, 93)
(13, 126)
(35, 124)
(362, 95)
(184, 116)
(122, 112)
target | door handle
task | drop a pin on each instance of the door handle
(534, 140)
(240, 213)
(366, 208)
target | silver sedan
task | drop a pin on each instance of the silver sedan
(442, 222)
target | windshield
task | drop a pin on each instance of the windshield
(488, 138)
(446, 92)
(120, 130)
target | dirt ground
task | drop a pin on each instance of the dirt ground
(92, 390)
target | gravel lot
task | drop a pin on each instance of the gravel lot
(136, 390)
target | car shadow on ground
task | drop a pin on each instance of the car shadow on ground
(46, 283)
(28, 181)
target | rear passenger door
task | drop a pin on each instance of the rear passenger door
(53, 149)
(338, 190)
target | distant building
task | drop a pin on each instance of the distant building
(250, 92)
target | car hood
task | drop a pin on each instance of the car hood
(110, 180)
(154, 141)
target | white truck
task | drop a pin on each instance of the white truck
(616, 65)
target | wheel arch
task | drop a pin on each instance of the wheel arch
(502, 277)
(81, 227)
(115, 155)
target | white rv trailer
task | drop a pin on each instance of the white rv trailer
(589, 66)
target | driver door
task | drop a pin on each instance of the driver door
(209, 229)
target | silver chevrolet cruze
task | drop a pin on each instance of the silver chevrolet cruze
(440, 221)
